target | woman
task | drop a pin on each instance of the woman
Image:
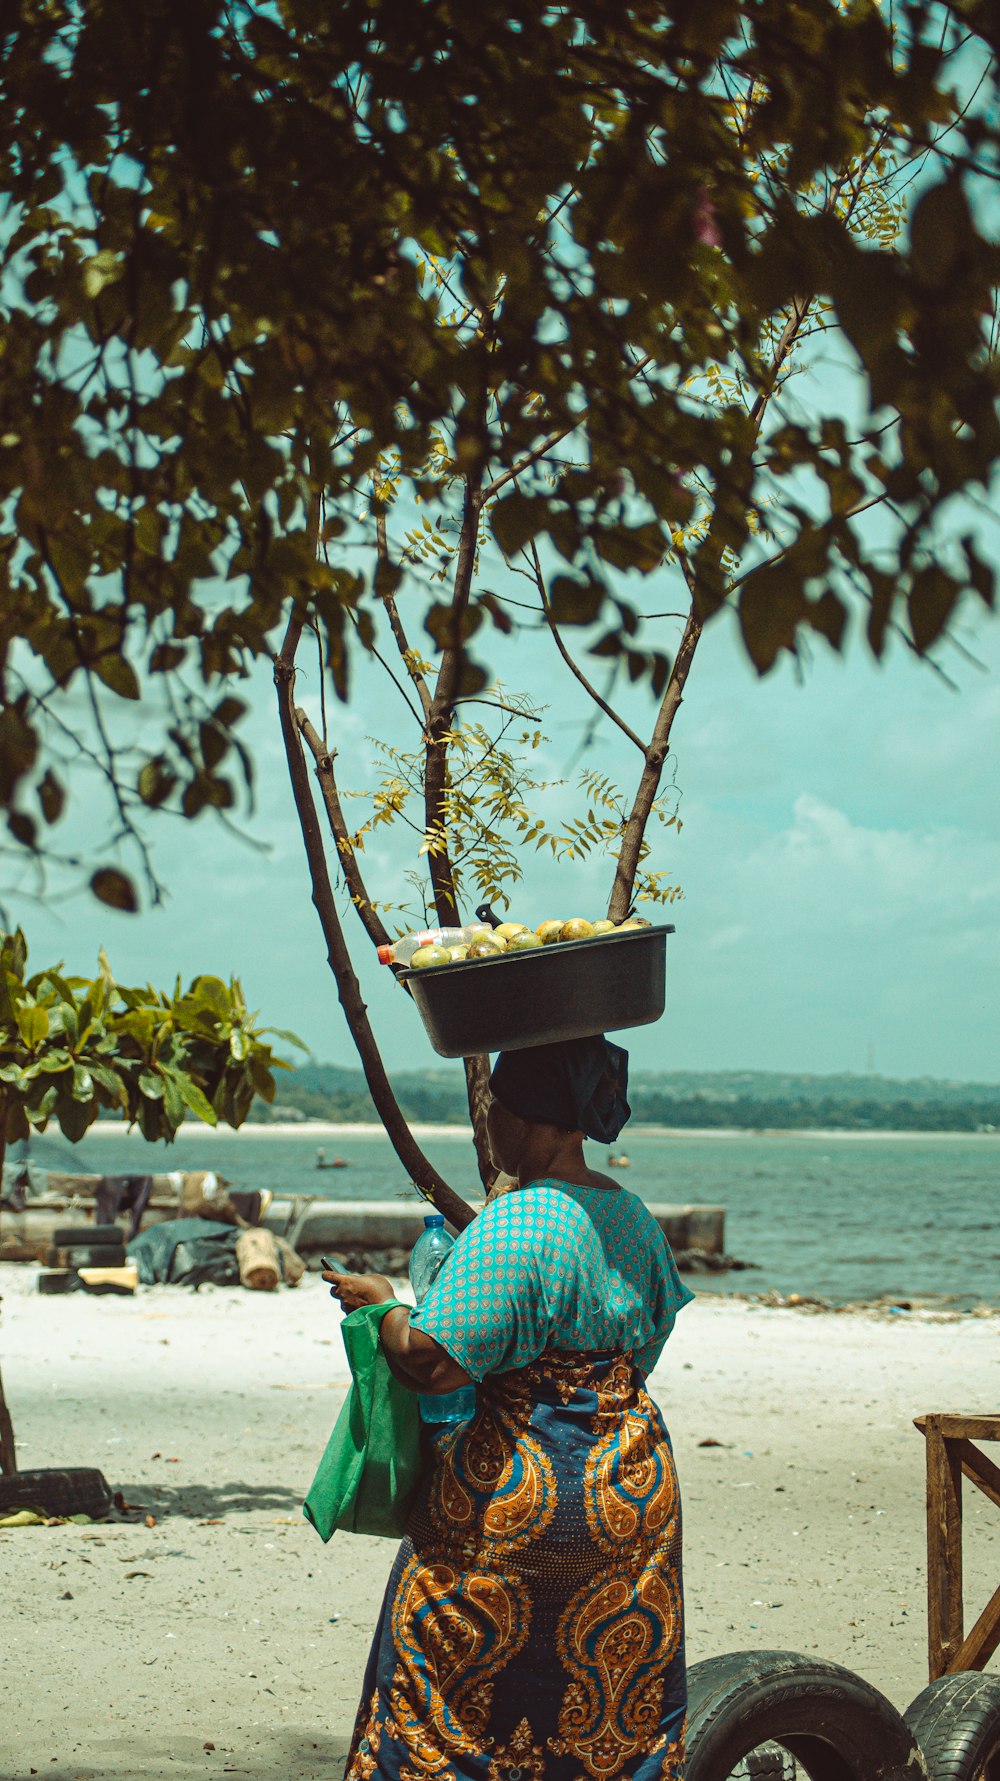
(532, 1628)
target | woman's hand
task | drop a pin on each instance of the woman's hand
(359, 1289)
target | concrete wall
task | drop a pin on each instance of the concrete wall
(312, 1226)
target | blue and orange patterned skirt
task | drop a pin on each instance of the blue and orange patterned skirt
(532, 1628)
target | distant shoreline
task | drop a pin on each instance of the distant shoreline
(108, 1128)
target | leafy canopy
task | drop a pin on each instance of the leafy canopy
(547, 261)
(71, 1049)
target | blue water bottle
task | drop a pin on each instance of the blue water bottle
(427, 1257)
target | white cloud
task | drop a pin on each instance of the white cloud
(831, 934)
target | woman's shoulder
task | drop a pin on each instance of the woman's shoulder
(548, 1203)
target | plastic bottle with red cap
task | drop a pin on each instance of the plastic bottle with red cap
(401, 951)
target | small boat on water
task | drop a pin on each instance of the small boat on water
(332, 1162)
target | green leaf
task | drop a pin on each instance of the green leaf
(286, 1037)
(23, 828)
(828, 615)
(239, 1045)
(193, 1097)
(99, 271)
(575, 602)
(173, 1100)
(156, 782)
(83, 1084)
(448, 630)
(931, 602)
(114, 888)
(32, 1024)
(213, 992)
(151, 1085)
(516, 518)
(772, 605)
(119, 675)
(940, 232)
(51, 796)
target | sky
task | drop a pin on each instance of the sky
(839, 859)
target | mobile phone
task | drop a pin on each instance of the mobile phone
(332, 1267)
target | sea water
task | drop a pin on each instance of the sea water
(842, 1216)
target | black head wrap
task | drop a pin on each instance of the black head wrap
(578, 1084)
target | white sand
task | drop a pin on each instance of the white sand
(326, 1128)
(129, 1649)
(288, 1128)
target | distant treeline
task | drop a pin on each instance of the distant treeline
(871, 1114)
(746, 1100)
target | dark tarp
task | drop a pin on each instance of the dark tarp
(187, 1252)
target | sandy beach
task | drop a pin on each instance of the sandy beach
(328, 1128)
(226, 1640)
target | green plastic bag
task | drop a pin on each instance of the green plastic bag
(372, 1465)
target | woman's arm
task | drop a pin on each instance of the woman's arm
(416, 1360)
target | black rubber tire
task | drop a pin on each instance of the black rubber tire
(69, 1235)
(60, 1280)
(836, 1726)
(956, 1721)
(95, 1255)
(82, 1491)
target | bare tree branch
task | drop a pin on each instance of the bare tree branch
(525, 463)
(442, 711)
(395, 623)
(324, 758)
(418, 1167)
(649, 783)
(574, 669)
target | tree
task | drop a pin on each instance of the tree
(549, 303)
(71, 1049)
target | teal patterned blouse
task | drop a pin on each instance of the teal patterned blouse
(555, 1265)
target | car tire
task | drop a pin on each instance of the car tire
(52, 1281)
(956, 1721)
(80, 1491)
(96, 1255)
(70, 1236)
(835, 1725)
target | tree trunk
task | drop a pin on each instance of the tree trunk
(8, 1457)
(418, 1167)
(649, 783)
(477, 1088)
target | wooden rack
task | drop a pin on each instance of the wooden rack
(952, 1454)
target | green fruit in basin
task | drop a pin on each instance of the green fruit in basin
(486, 949)
(426, 956)
(576, 929)
(457, 954)
(526, 941)
(634, 921)
(549, 932)
(604, 927)
(508, 929)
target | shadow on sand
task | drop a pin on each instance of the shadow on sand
(212, 1501)
(261, 1754)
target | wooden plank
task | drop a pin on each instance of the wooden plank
(981, 1471)
(944, 1550)
(8, 1457)
(976, 1650)
(962, 1426)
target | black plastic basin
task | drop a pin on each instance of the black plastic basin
(563, 991)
